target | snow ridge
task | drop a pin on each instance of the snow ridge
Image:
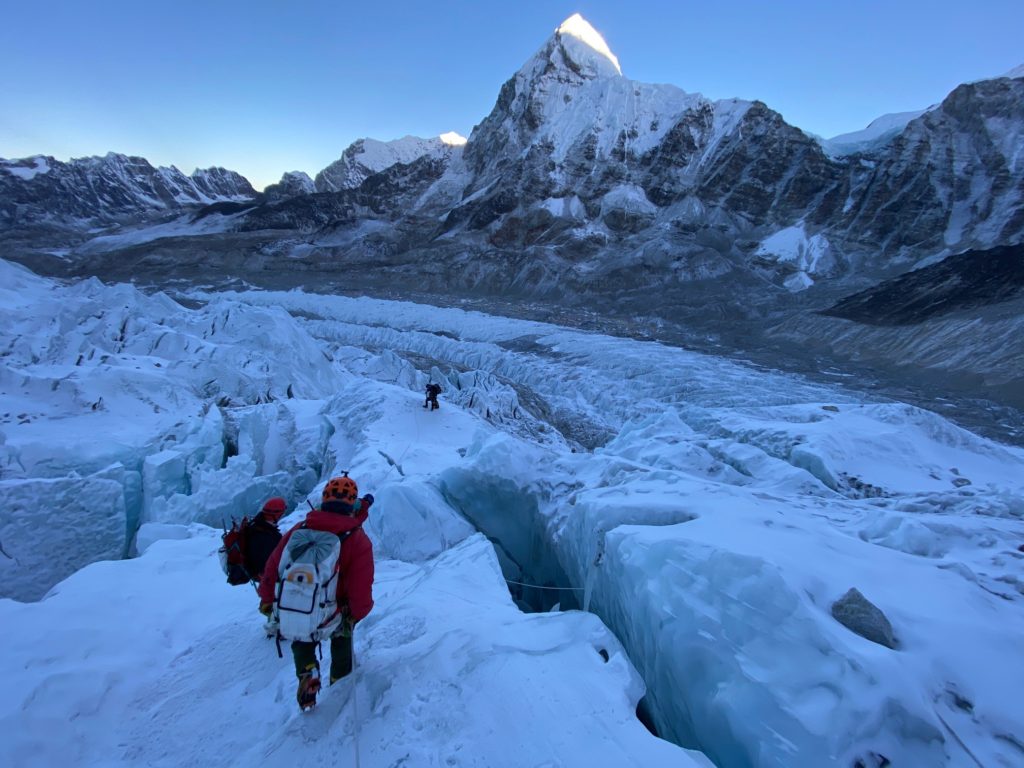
(879, 132)
(366, 157)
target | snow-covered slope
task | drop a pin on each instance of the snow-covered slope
(366, 157)
(878, 132)
(157, 662)
(710, 514)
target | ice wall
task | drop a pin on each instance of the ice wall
(52, 527)
(196, 414)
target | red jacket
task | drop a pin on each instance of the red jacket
(355, 587)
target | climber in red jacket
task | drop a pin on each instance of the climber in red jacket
(341, 512)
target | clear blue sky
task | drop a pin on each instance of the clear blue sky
(267, 86)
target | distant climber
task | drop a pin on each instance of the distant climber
(248, 544)
(433, 390)
(318, 583)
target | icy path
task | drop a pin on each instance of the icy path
(155, 662)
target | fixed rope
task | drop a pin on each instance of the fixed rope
(355, 699)
(538, 586)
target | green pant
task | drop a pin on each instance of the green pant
(341, 657)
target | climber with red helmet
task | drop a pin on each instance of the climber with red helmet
(249, 543)
(262, 536)
(341, 513)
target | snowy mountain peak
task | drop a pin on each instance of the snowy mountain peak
(1016, 72)
(365, 157)
(452, 139)
(586, 47)
(292, 183)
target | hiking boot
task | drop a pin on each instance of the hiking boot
(309, 686)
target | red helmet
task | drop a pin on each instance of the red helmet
(274, 508)
(341, 489)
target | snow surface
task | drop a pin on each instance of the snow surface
(627, 197)
(880, 131)
(378, 155)
(452, 139)
(183, 226)
(22, 168)
(706, 512)
(156, 662)
(565, 207)
(808, 255)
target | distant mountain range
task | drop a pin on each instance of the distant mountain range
(582, 188)
(106, 189)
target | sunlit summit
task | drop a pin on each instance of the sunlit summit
(578, 27)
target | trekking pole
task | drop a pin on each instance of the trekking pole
(355, 699)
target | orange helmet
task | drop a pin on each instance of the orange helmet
(341, 489)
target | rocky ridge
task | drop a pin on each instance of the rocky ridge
(112, 188)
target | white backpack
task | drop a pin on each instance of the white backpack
(306, 605)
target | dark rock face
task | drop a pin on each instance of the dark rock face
(292, 184)
(384, 196)
(221, 184)
(952, 179)
(968, 280)
(769, 172)
(105, 189)
(861, 616)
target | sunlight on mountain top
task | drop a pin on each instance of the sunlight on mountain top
(580, 28)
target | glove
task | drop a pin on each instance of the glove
(266, 609)
(368, 498)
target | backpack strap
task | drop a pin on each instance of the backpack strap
(343, 537)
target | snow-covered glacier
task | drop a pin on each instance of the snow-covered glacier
(587, 524)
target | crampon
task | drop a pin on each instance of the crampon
(309, 686)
